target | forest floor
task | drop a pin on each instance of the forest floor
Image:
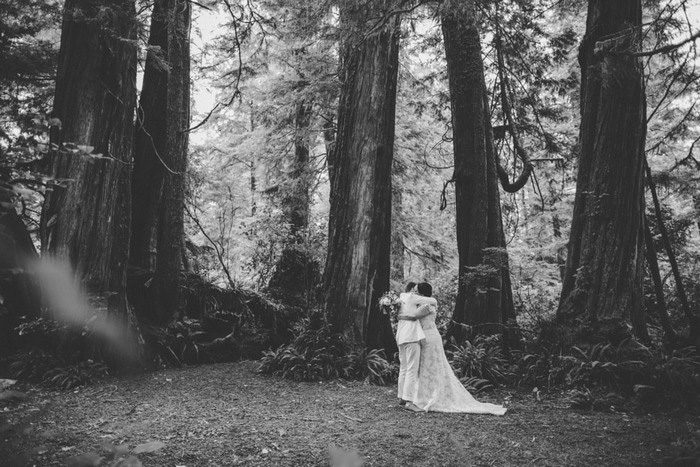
(227, 414)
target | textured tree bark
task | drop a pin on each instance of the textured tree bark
(397, 248)
(161, 157)
(602, 286)
(693, 320)
(296, 272)
(87, 221)
(658, 285)
(297, 201)
(359, 241)
(149, 144)
(484, 296)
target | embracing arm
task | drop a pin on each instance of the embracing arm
(421, 312)
(421, 300)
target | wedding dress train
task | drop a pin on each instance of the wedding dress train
(439, 390)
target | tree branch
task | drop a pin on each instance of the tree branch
(519, 149)
(666, 48)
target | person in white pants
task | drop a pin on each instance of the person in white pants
(409, 333)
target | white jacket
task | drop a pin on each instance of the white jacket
(411, 330)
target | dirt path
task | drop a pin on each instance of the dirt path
(225, 415)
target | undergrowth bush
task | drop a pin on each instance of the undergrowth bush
(476, 385)
(316, 354)
(37, 366)
(630, 368)
(176, 344)
(55, 355)
(482, 359)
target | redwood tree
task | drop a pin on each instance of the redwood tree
(359, 242)
(602, 287)
(86, 219)
(160, 156)
(484, 296)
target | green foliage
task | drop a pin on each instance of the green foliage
(28, 49)
(37, 366)
(56, 355)
(317, 354)
(80, 374)
(175, 344)
(482, 358)
(629, 368)
(581, 399)
(476, 385)
(371, 366)
(540, 369)
(32, 365)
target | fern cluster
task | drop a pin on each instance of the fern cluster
(482, 358)
(37, 366)
(317, 354)
(629, 368)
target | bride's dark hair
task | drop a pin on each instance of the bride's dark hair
(410, 286)
(425, 289)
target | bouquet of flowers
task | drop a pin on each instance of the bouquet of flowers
(390, 305)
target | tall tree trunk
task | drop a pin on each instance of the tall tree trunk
(397, 247)
(161, 156)
(87, 221)
(658, 285)
(693, 320)
(602, 287)
(359, 241)
(150, 143)
(297, 200)
(484, 296)
(296, 272)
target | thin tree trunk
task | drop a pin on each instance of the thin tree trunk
(658, 285)
(161, 157)
(484, 296)
(296, 272)
(297, 202)
(693, 320)
(602, 286)
(397, 247)
(150, 143)
(359, 241)
(167, 278)
(87, 221)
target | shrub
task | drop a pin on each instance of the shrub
(32, 365)
(175, 344)
(37, 366)
(317, 353)
(629, 367)
(80, 374)
(476, 385)
(481, 358)
(539, 368)
(371, 366)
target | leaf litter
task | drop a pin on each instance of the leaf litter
(227, 414)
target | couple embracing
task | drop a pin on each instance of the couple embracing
(426, 380)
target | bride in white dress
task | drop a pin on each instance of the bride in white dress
(439, 390)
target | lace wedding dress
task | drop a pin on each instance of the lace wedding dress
(439, 390)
